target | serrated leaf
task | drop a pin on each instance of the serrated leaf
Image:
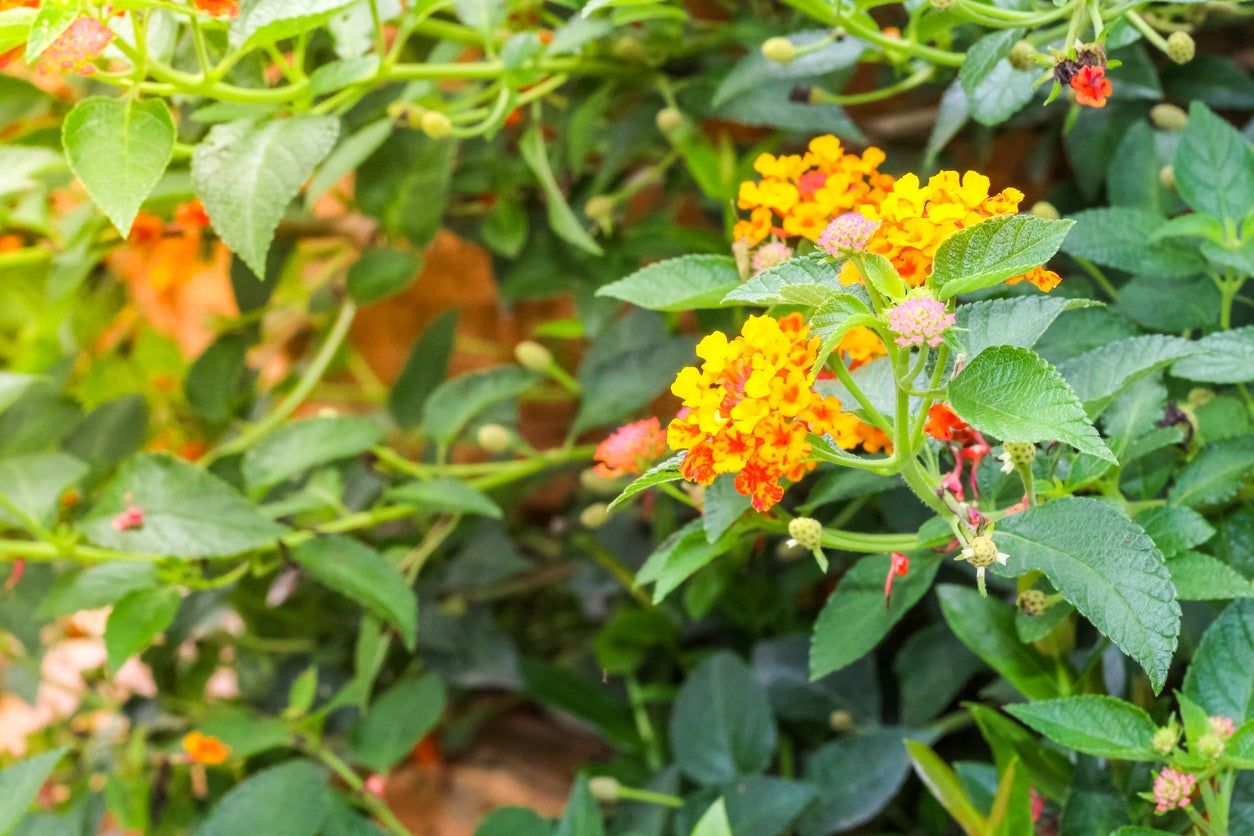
(397, 721)
(1017, 321)
(1221, 676)
(266, 21)
(289, 799)
(1015, 395)
(1101, 726)
(664, 471)
(119, 149)
(1214, 166)
(299, 446)
(1170, 305)
(679, 556)
(364, 575)
(455, 402)
(246, 173)
(678, 284)
(1216, 474)
(96, 587)
(856, 776)
(405, 184)
(1174, 529)
(187, 512)
(1099, 375)
(1200, 577)
(1121, 237)
(994, 250)
(1222, 357)
(857, 616)
(447, 496)
(136, 620)
(804, 280)
(995, 89)
(721, 726)
(1105, 566)
(987, 627)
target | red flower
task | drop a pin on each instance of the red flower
(1091, 86)
(900, 565)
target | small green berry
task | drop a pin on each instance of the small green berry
(807, 531)
(1032, 603)
(1180, 47)
(1044, 209)
(1168, 117)
(531, 355)
(779, 50)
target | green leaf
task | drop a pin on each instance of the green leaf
(879, 273)
(856, 776)
(96, 587)
(582, 697)
(664, 471)
(721, 727)
(994, 250)
(582, 816)
(722, 506)
(20, 785)
(1200, 577)
(945, 787)
(1099, 375)
(679, 556)
(1050, 769)
(109, 433)
(1214, 166)
(424, 370)
(246, 733)
(187, 512)
(52, 19)
(803, 280)
(987, 627)
(514, 821)
(246, 173)
(364, 575)
(136, 620)
(561, 219)
(446, 496)
(349, 155)
(405, 184)
(1017, 321)
(1121, 237)
(932, 668)
(299, 446)
(455, 402)
(1222, 357)
(1102, 726)
(1221, 676)
(995, 89)
(714, 821)
(1216, 474)
(1015, 395)
(381, 273)
(262, 22)
(397, 721)
(856, 616)
(678, 284)
(290, 799)
(1170, 305)
(119, 149)
(759, 804)
(1106, 567)
(1174, 529)
(31, 486)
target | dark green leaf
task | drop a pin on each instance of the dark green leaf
(721, 727)
(364, 575)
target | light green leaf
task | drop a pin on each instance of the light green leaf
(995, 89)
(136, 620)
(1174, 529)
(96, 587)
(1099, 375)
(20, 785)
(447, 496)
(721, 726)
(679, 556)
(31, 486)
(15, 26)
(266, 21)
(1216, 474)
(290, 799)
(299, 446)
(664, 471)
(1214, 166)
(987, 627)
(1200, 577)
(246, 173)
(1121, 237)
(119, 149)
(455, 402)
(994, 250)
(364, 575)
(561, 218)
(1106, 567)
(381, 273)
(397, 721)
(187, 512)
(582, 816)
(1015, 395)
(1221, 676)
(713, 821)
(52, 19)
(349, 154)
(856, 616)
(1018, 321)
(1222, 357)
(945, 787)
(804, 280)
(879, 273)
(1101, 726)
(678, 284)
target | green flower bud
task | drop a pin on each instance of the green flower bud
(841, 721)
(669, 119)
(1164, 739)
(1046, 210)
(599, 208)
(1168, 117)
(1167, 178)
(435, 124)
(629, 49)
(779, 50)
(1180, 47)
(494, 438)
(603, 788)
(1022, 54)
(983, 552)
(594, 516)
(531, 355)
(1210, 746)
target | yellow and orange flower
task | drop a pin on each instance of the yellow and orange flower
(751, 405)
(206, 749)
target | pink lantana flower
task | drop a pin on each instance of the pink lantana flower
(1173, 789)
(630, 449)
(850, 231)
(919, 320)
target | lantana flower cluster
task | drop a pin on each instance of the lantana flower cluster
(76, 49)
(750, 407)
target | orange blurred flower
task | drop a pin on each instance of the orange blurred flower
(206, 749)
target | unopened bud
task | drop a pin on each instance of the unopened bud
(1022, 55)
(435, 124)
(1168, 117)
(1164, 739)
(1167, 178)
(398, 111)
(1210, 746)
(629, 49)
(594, 516)
(1180, 47)
(494, 438)
(807, 531)
(603, 788)
(1045, 209)
(1032, 603)
(841, 721)
(669, 119)
(531, 355)
(599, 208)
(1200, 396)
(779, 50)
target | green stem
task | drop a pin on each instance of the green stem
(650, 797)
(366, 799)
(1098, 277)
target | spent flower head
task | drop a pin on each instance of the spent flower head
(982, 553)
